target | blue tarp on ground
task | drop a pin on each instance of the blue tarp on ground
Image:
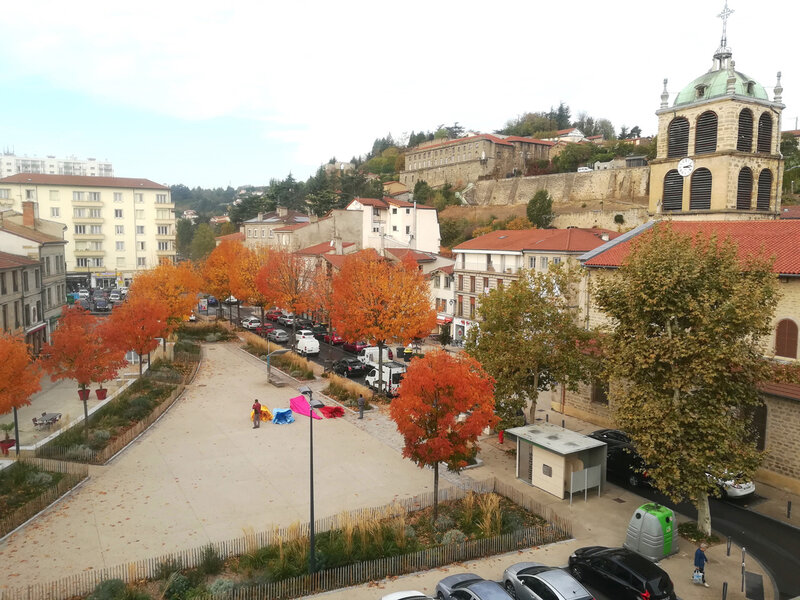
(282, 416)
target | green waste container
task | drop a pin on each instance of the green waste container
(652, 532)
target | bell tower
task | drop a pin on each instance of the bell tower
(718, 154)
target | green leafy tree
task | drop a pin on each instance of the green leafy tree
(690, 317)
(184, 231)
(323, 202)
(422, 192)
(636, 132)
(572, 156)
(561, 116)
(606, 128)
(528, 339)
(249, 206)
(540, 210)
(202, 242)
(356, 185)
(623, 133)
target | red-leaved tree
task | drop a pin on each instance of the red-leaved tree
(444, 403)
(73, 352)
(136, 324)
(110, 358)
(19, 377)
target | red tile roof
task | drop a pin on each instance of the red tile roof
(790, 212)
(388, 200)
(573, 239)
(9, 261)
(417, 256)
(323, 248)
(291, 227)
(779, 239)
(30, 234)
(565, 131)
(448, 269)
(83, 181)
(232, 237)
(783, 390)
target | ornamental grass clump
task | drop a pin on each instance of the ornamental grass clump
(490, 521)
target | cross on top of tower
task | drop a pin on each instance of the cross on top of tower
(724, 15)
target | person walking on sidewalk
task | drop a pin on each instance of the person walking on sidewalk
(361, 403)
(256, 414)
(700, 560)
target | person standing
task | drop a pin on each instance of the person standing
(256, 414)
(700, 560)
(361, 403)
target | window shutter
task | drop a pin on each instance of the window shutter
(744, 142)
(705, 139)
(764, 189)
(678, 138)
(700, 193)
(764, 133)
(744, 192)
(673, 191)
(786, 339)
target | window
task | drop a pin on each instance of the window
(472, 284)
(744, 139)
(4, 195)
(77, 196)
(531, 262)
(25, 281)
(744, 191)
(96, 213)
(164, 230)
(163, 246)
(139, 246)
(705, 139)
(447, 282)
(249, 232)
(764, 143)
(599, 393)
(408, 229)
(55, 211)
(394, 211)
(678, 138)
(47, 266)
(96, 229)
(3, 284)
(82, 262)
(15, 281)
(79, 213)
(97, 262)
(786, 339)
(161, 199)
(139, 215)
(485, 285)
(764, 189)
(673, 191)
(263, 233)
(461, 306)
(460, 283)
(119, 229)
(141, 261)
(117, 213)
(36, 278)
(437, 281)
(117, 196)
(556, 260)
(163, 214)
(120, 246)
(30, 194)
(5, 317)
(700, 192)
(376, 212)
(394, 227)
(54, 196)
(489, 266)
(472, 307)
(138, 197)
(408, 211)
(543, 263)
(80, 229)
(94, 196)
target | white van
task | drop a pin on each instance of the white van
(393, 373)
(306, 343)
(370, 355)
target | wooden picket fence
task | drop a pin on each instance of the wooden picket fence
(74, 473)
(557, 528)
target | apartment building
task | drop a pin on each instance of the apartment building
(492, 260)
(389, 222)
(20, 299)
(11, 164)
(116, 226)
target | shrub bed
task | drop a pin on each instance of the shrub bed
(293, 364)
(21, 483)
(205, 332)
(347, 392)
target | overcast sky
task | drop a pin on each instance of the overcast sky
(233, 93)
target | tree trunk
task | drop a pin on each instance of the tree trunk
(703, 514)
(86, 418)
(532, 413)
(435, 491)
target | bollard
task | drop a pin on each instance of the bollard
(724, 590)
(729, 546)
(788, 509)
(744, 553)
(562, 424)
(547, 418)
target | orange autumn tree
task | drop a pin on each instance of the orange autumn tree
(436, 390)
(73, 352)
(243, 275)
(19, 377)
(216, 270)
(110, 358)
(381, 302)
(174, 285)
(286, 281)
(321, 295)
(136, 324)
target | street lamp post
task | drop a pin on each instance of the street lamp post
(275, 352)
(312, 404)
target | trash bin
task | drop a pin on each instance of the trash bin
(652, 532)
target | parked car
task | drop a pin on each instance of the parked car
(354, 347)
(535, 581)
(468, 586)
(212, 301)
(585, 169)
(622, 460)
(370, 354)
(251, 322)
(287, 320)
(305, 342)
(349, 367)
(732, 487)
(333, 338)
(263, 330)
(272, 315)
(612, 437)
(114, 296)
(278, 335)
(621, 573)
(319, 329)
(407, 595)
(231, 300)
(83, 293)
(303, 323)
(101, 305)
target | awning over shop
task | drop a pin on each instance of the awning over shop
(443, 319)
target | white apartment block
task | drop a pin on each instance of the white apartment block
(116, 226)
(389, 222)
(11, 164)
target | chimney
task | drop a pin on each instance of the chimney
(337, 244)
(28, 214)
(260, 216)
(282, 211)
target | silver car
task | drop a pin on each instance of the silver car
(278, 335)
(535, 581)
(468, 586)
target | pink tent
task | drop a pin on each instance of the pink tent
(299, 405)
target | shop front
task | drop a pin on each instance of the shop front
(461, 328)
(36, 337)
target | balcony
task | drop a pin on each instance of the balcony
(89, 236)
(89, 253)
(88, 220)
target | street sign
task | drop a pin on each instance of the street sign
(202, 305)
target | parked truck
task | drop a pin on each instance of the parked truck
(393, 373)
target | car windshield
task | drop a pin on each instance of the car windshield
(659, 585)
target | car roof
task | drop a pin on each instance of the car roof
(565, 583)
(628, 558)
(487, 590)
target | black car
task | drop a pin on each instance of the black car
(621, 573)
(101, 305)
(622, 460)
(303, 323)
(349, 367)
(319, 330)
(612, 437)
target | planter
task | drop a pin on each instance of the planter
(101, 393)
(84, 394)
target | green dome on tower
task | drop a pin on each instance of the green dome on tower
(715, 83)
